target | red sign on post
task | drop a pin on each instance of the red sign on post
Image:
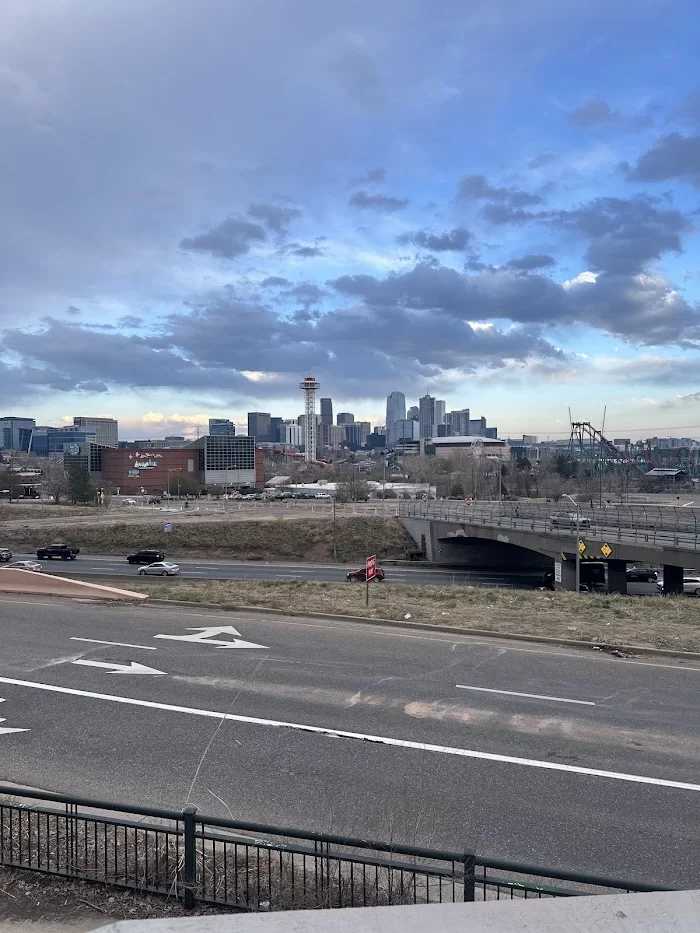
(371, 567)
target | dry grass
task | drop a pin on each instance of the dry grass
(20, 511)
(308, 539)
(662, 622)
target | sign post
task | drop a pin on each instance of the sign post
(370, 573)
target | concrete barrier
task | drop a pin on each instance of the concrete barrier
(13, 580)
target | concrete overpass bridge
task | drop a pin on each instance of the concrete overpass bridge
(522, 535)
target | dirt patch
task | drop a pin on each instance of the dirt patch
(31, 896)
(661, 622)
(304, 539)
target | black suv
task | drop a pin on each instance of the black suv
(146, 556)
(5, 553)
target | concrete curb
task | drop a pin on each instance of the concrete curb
(448, 629)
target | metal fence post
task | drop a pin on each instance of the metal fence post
(469, 877)
(189, 874)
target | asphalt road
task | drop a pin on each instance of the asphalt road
(93, 565)
(527, 752)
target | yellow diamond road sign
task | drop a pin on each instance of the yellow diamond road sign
(581, 547)
(606, 550)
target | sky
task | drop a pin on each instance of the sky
(495, 202)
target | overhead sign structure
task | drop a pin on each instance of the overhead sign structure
(6, 730)
(167, 526)
(606, 550)
(371, 567)
(204, 636)
(112, 667)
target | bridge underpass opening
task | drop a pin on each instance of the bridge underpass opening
(479, 553)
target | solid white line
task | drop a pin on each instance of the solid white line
(120, 644)
(375, 739)
(532, 696)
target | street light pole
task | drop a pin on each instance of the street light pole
(578, 552)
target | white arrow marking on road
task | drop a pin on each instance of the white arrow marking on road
(113, 668)
(5, 730)
(203, 636)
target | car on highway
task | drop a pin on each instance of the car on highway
(569, 520)
(146, 556)
(360, 576)
(691, 585)
(162, 568)
(5, 553)
(323, 495)
(61, 551)
(24, 565)
(641, 575)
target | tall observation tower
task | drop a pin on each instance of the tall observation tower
(309, 387)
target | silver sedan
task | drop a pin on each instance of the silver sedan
(162, 568)
(24, 565)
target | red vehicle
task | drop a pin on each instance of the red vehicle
(360, 576)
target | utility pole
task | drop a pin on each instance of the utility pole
(578, 552)
(335, 544)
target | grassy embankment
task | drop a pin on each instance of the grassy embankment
(614, 620)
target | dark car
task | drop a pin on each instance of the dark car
(640, 575)
(61, 551)
(5, 553)
(146, 556)
(361, 575)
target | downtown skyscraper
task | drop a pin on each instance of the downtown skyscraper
(395, 412)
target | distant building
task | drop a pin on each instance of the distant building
(175, 440)
(345, 417)
(458, 422)
(259, 425)
(439, 411)
(448, 446)
(47, 441)
(326, 411)
(16, 433)
(356, 434)
(335, 435)
(413, 413)
(395, 413)
(406, 430)
(426, 408)
(532, 439)
(477, 426)
(491, 433)
(221, 427)
(293, 434)
(106, 430)
(276, 430)
(228, 461)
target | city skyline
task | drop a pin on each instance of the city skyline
(480, 203)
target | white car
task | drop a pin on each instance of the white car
(323, 495)
(25, 565)
(162, 568)
(569, 520)
(691, 586)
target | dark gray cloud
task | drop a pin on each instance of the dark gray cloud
(624, 234)
(71, 309)
(307, 293)
(304, 252)
(504, 214)
(130, 320)
(477, 188)
(382, 203)
(274, 216)
(451, 241)
(672, 157)
(228, 240)
(593, 112)
(531, 261)
(373, 176)
(274, 281)
(541, 160)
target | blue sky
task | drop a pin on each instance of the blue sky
(498, 202)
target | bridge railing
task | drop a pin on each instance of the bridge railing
(666, 527)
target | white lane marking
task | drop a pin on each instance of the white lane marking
(119, 644)
(203, 636)
(532, 696)
(375, 739)
(5, 730)
(133, 667)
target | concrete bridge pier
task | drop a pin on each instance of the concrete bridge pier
(568, 576)
(673, 580)
(617, 576)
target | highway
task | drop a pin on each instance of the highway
(548, 755)
(203, 569)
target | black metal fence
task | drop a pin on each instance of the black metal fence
(253, 867)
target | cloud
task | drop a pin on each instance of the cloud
(453, 241)
(303, 252)
(381, 203)
(593, 112)
(274, 216)
(372, 176)
(539, 161)
(274, 281)
(228, 240)
(671, 157)
(306, 293)
(477, 188)
(504, 214)
(531, 261)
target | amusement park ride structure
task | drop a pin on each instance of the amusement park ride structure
(589, 445)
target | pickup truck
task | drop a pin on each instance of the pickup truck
(57, 550)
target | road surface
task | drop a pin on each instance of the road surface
(87, 565)
(555, 756)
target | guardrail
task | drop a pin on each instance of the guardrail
(252, 866)
(667, 527)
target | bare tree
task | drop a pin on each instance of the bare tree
(54, 480)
